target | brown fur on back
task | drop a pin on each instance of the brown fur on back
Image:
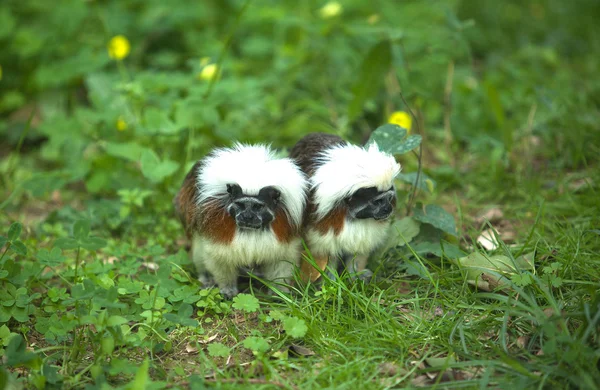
(307, 150)
(306, 153)
(185, 201)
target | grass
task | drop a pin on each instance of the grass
(97, 290)
(401, 331)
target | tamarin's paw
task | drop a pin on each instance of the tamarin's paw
(206, 280)
(365, 275)
(229, 292)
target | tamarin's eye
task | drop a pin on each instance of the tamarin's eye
(229, 189)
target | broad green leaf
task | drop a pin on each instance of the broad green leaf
(441, 362)
(116, 320)
(50, 258)
(128, 150)
(245, 302)
(411, 178)
(40, 185)
(439, 249)
(410, 143)
(436, 216)
(19, 248)
(157, 121)
(16, 354)
(256, 344)
(391, 138)
(107, 344)
(66, 243)
(93, 243)
(218, 350)
(194, 112)
(14, 231)
(155, 169)
(3, 240)
(141, 377)
(370, 77)
(405, 230)
(388, 137)
(491, 272)
(81, 229)
(295, 327)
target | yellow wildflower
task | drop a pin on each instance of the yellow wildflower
(209, 72)
(402, 119)
(118, 47)
(121, 124)
(330, 10)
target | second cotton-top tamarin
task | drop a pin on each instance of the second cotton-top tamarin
(351, 199)
(243, 207)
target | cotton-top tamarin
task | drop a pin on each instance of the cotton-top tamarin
(243, 207)
(352, 197)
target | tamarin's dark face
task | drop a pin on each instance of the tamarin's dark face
(252, 211)
(371, 203)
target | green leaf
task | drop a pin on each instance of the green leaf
(245, 302)
(295, 327)
(391, 138)
(154, 169)
(50, 258)
(66, 243)
(490, 273)
(411, 178)
(405, 230)
(370, 77)
(440, 249)
(127, 150)
(93, 243)
(40, 185)
(218, 350)
(107, 344)
(141, 377)
(16, 354)
(19, 248)
(81, 229)
(257, 344)
(442, 362)
(14, 231)
(3, 240)
(388, 137)
(411, 142)
(116, 321)
(157, 121)
(276, 315)
(436, 216)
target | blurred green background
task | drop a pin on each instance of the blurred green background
(501, 83)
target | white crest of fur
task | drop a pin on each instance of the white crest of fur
(253, 167)
(346, 168)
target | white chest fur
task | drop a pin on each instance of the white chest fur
(358, 237)
(247, 248)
